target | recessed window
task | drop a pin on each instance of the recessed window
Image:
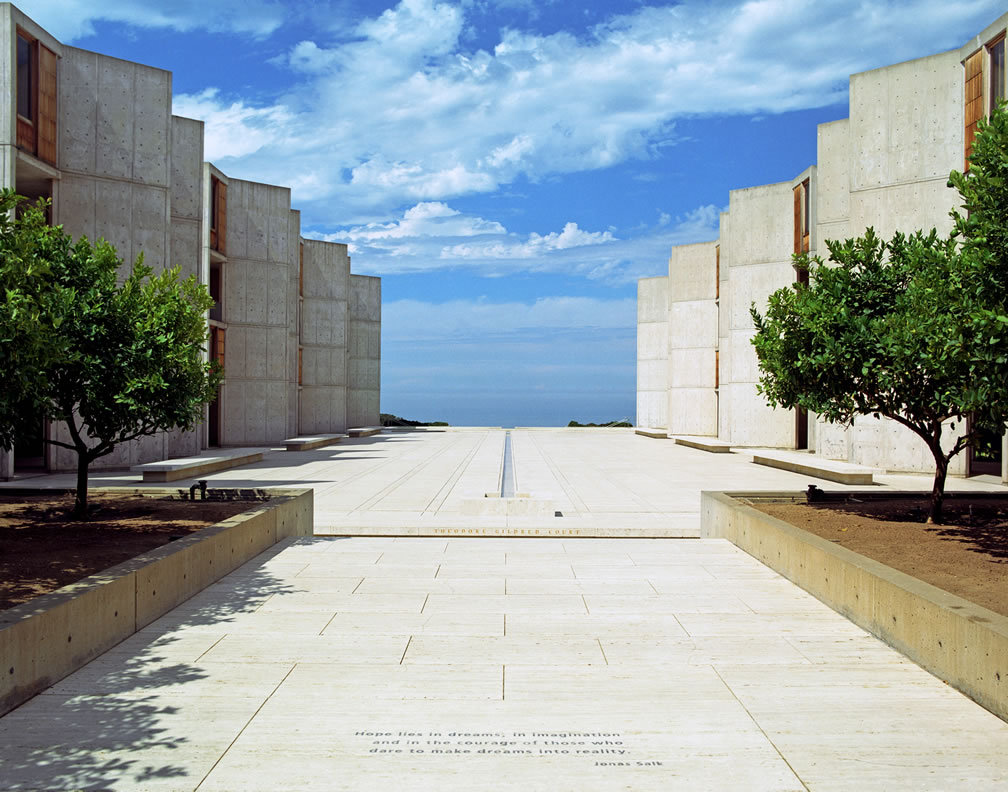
(24, 78)
(216, 293)
(218, 215)
(997, 72)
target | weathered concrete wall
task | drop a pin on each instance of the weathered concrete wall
(906, 134)
(693, 339)
(115, 153)
(887, 167)
(652, 353)
(122, 180)
(257, 286)
(759, 247)
(364, 352)
(324, 325)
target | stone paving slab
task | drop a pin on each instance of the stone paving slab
(264, 682)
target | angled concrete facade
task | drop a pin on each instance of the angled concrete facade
(96, 135)
(886, 166)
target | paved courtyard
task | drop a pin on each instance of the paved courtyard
(563, 663)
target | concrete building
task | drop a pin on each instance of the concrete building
(298, 335)
(885, 166)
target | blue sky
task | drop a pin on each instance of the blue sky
(511, 168)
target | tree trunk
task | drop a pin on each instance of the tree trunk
(81, 499)
(938, 490)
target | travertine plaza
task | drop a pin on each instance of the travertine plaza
(391, 650)
(478, 608)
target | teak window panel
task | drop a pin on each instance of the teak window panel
(802, 218)
(217, 345)
(218, 215)
(973, 102)
(37, 91)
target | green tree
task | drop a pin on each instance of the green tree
(914, 329)
(128, 359)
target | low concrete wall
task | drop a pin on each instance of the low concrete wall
(49, 637)
(959, 642)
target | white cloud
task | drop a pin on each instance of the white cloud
(72, 19)
(428, 219)
(409, 320)
(432, 235)
(235, 129)
(398, 109)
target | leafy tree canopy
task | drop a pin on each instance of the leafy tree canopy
(110, 361)
(914, 329)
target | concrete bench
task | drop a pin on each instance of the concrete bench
(310, 443)
(190, 467)
(710, 444)
(364, 431)
(658, 434)
(810, 465)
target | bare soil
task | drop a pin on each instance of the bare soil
(42, 548)
(967, 556)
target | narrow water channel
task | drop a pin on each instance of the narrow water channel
(507, 475)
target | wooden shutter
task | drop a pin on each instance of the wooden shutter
(973, 102)
(47, 110)
(799, 210)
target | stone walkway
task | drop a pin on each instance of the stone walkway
(447, 663)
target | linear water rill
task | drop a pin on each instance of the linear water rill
(507, 475)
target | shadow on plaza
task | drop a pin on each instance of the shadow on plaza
(112, 724)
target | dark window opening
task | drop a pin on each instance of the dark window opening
(997, 73)
(217, 311)
(25, 75)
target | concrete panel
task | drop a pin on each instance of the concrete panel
(833, 176)
(150, 220)
(753, 423)
(186, 246)
(256, 413)
(652, 341)
(762, 228)
(276, 353)
(693, 324)
(693, 411)
(256, 291)
(279, 283)
(235, 279)
(904, 207)
(906, 121)
(691, 368)
(116, 90)
(258, 208)
(187, 168)
(234, 423)
(114, 216)
(755, 283)
(278, 224)
(255, 351)
(78, 110)
(152, 101)
(276, 411)
(651, 409)
(693, 272)
(652, 300)
(237, 218)
(76, 208)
